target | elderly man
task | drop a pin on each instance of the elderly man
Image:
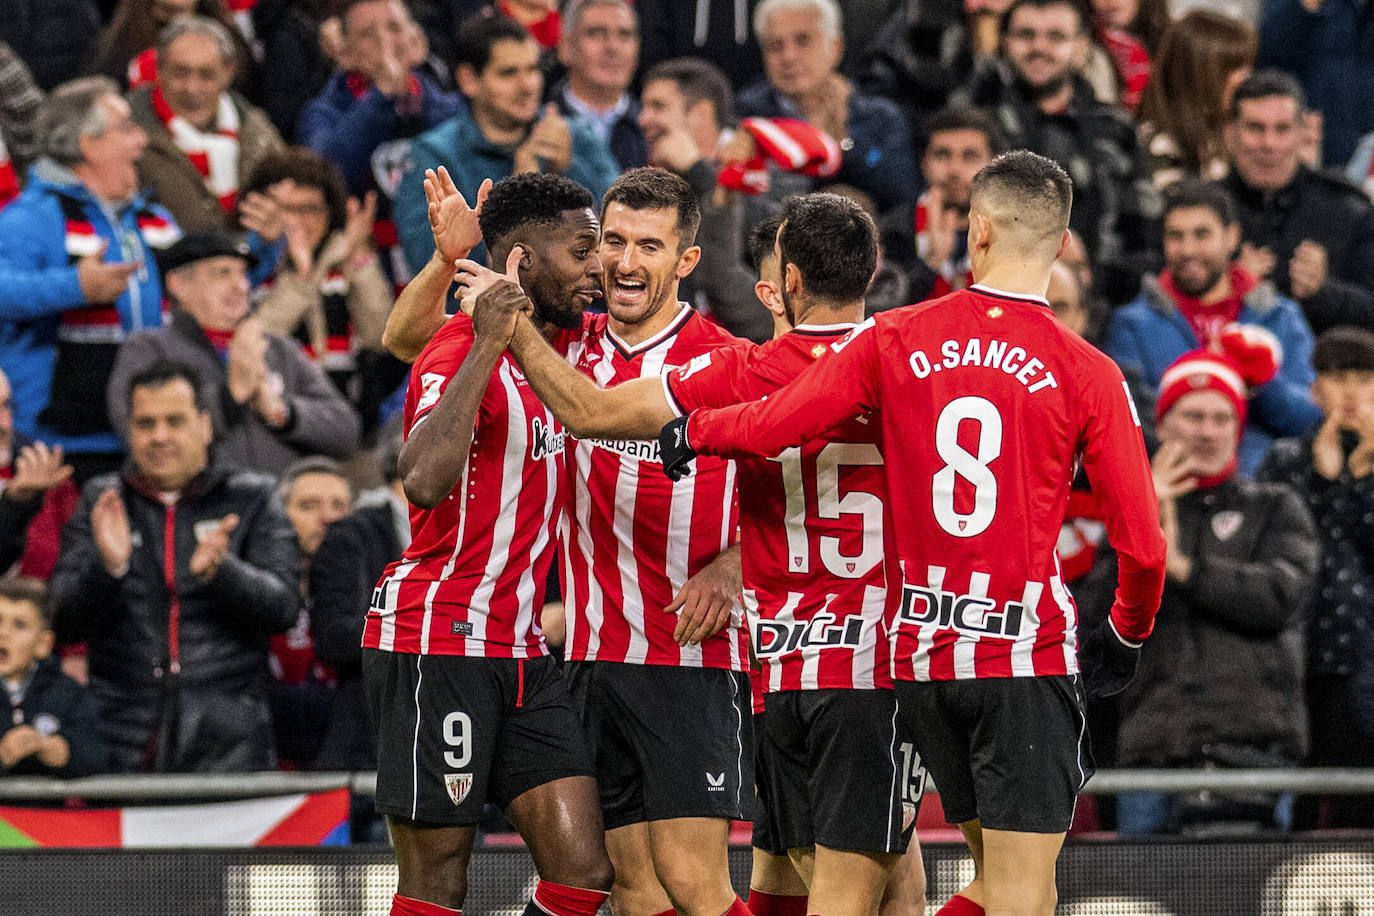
(1040, 99)
(203, 139)
(270, 404)
(503, 133)
(600, 48)
(76, 277)
(1220, 679)
(1310, 232)
(175, 572)
(803, 43)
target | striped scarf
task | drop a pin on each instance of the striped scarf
(214, 153)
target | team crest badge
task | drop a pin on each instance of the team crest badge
(458, 785)
(817, 351)
(1225, 524)
(995, 312)
(908, 815)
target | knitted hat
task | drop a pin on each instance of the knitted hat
(1249, 356)
(795, 146)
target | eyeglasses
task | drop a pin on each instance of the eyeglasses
(1053, 36)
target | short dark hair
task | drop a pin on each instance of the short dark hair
(1267, 84)
(763, 239)
(163, 372)
(652, 188)
(310, 464)
(530, 197)
(479, 32)
(963, 117)
(1344, 349)
(833, 242)
(1188, 193)
(1035, 184)
(1085, 14)
(27, 590)
(305, 167)
(344, 7)
(698, 80)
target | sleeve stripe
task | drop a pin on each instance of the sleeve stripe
(673, 403)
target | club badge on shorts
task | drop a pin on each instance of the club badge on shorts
(458, 785)
(908, 815)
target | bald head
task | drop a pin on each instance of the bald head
(1026, 198)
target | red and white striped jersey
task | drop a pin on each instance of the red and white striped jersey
(632, 537)
(811, 526)
(988, 402)
(472, 580)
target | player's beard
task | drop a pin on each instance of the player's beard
(561, 311)
(1197, 289)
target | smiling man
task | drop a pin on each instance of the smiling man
(1200, 295)
(600, 48)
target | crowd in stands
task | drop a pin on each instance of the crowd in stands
(209, 207)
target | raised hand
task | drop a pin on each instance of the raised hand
(261, 214)
(37, 469)
(1307, 269)
(1328, 458)
(453, 222)
(247, 359)
(674, 150)
(473, 279)
(110, 527)
(358, 228)
(101, 282)
(205, 562)
(549, 144)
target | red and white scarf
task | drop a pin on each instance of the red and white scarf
(214, 153)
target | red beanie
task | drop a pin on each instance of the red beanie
(796, 146)
(1249, 356)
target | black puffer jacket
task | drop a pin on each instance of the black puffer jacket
(1330, 211)
(56, 38)
(1225, 662)
(212, 714)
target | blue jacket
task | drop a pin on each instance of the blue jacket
(346, 129)
(42, 234)
(880, 157)
(1150, 332)
(469, 156)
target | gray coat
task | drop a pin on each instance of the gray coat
(322, 422)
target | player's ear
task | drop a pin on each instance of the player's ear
(767, 293)
(791, 277)
(1064, 244)
(687, 261)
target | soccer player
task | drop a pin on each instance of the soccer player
(987, 405)
(469, 706)
(656, 652)
(837, 788)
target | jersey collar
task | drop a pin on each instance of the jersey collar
(1015, 297)
(824, 330)
(684, 315)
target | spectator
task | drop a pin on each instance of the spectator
(1331, 469)
(503, 133)
(1219, 683)
(126, 51)
(19, 100)
(53, 37)
(174, 572)
(75, 276)
(687, 113)
(928, 49)
(1131, 32)
(268, 402)
(1310, 232)
(345, 569)
(1329, 46)
(600, 49)
(315, 493)
(930, 241)
(1205, 55)
(36, 495)
(1198, 299)
(52, 729)
(802, 43)
(204, 141)
(714, 30)
(330, 292)
(1037, 96)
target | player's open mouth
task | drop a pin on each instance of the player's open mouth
(588, 295)
(629, 290)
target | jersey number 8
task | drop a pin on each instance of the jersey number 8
(973, 468)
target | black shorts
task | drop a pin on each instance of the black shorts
(667, 742)
(1010, 751)
(454, 733)
(831, 769)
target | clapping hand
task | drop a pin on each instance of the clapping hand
(37, 469)
(205, 562)
(454, 224)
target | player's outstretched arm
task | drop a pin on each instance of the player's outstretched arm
(419, 311)
(840, 385)
(636, 409)
(435, 454)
